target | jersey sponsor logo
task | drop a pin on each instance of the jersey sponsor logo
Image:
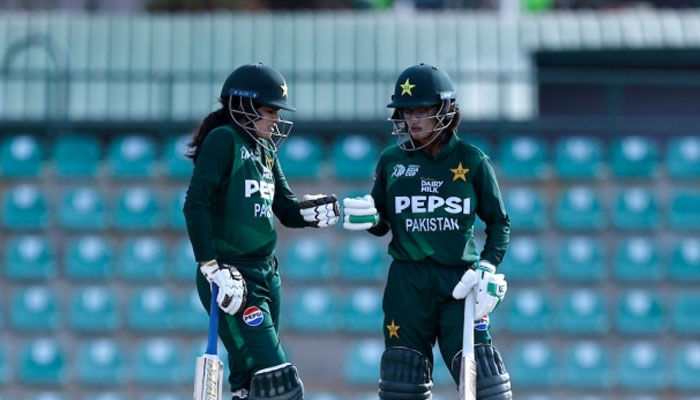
(399, 170)
(266, 189)
(430, 185)
(253, 316)
(482, 324)
(267, 173)
(430, 204)
(431, 224)
(245, 153)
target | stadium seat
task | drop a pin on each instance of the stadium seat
(144, 259)
(103, 396)
(156, 361)
(89, 257)
(685, 261)
(177, 217)
(362, 310)
(137, 208)
(177, 165)
(363, 259)
(642, 365)
(583, 312)
(45, 396)
(307, 258)
(361, 365)
(42, 362)
(21, 156)
(579, 157)
(529, 311)
(354, 156)
(24, 207)
(683, 157)
(587, 366)
(101, 362)
(580, 207)
(525, 261)
(132, 156)
(301, 156)
(686, 367)
(34, 309)
(526, 208)
(636, 208)
(314, 309)
(685, 313)
(581, 259)
(82, 208)
(684, 210)
(192, 317)
(151, 309)
(480, 142)
(633, 157)
(637, 260)
(532, 364)
(640, 312)
(67, 165)
(29, 257)
(523, 157)
(94, 309)
(182, 263)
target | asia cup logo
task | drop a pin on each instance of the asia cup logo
(253, 316)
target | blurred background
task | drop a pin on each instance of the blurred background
(588, 109)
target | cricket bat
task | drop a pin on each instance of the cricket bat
(467, 377)
(209, 370)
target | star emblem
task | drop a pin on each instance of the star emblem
(460, 173)
(393, 329)
(406, 88)
(284, 89)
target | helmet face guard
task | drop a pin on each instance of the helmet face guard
(246, 111)
(402, 126)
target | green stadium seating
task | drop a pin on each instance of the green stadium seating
(579, 157)
(307, 258)
(479, 141)
(89, 257)
(101, 362)
(314, 309)
(583, 312)
(132, 156)
(156, 361)
(177, 165)
(137, 208)
(42, 362)
(685, 313)
(633, 157)
(580, 207)
(581, 259)
(67, 165)
(29, 257)
(24, 207)
(323, 396)
(143, 259)
(636, 208)
(182, 262)
(640, 312)
(82, 208)
(525, 261)
(151, 309)
(526, 208)
(686, 367)
(103, 396)
(683, 157)
(642, 366)
(684, 212)
(301, 157)
(587, 365)
(4, 366)
(523, 157)
(685, 261)
(34, 309)
(532, 364)
(21, 156)
(637, 260)
(192, 317)
(529, 312)
(94, 309)
(539, 397)
(362, 311)
(441, 375)
(46, 396)
(362, 259)
(162, 396)
(177, 217)
(354, 156)
(361, 365)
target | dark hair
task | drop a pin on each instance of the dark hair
(215, 119)
(456, 119)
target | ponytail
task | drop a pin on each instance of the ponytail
(217, 118)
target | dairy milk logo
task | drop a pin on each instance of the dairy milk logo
(245, 153)
(399, 170)
(430, 185)
(253, 316)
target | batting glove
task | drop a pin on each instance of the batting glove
(490, 288)
(232, 287)
(320, 210)
(360, 213)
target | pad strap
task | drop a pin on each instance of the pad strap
(405, 375)
(276, 383)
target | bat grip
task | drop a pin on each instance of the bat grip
(213, 321)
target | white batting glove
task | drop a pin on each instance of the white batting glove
(360, 213)
(232, 287)
(490, 288)
(320, 210)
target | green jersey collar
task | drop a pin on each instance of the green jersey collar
(447, 148)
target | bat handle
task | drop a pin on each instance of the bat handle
(212, 338)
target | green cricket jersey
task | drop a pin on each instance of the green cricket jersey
(429, 203)
(235, 189)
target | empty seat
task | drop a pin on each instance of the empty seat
(686, 367)
(637, 260)
(523, 157)
(177, 217)
(177, 165)
(363, 259)
(34, 309)
(685, 261)
(587, 366)
(533, 364)
(156, 362)
(29, 257)
(137, 208)
(94, 309)
(362, 310)
(525, 261)
(526, 208)
(581, 259)
(192, 316)
(636, 208)
(21, 156)
(151, 309)
(314, 310)
(641, 365)
(354, 156)
(103, 396)
(24, 207)
(301, 157)
(82, 208)
(640, 312)
(101, 362)
(42, 361)
(684, 210)
(580, 208)
(683, 158)
(685, 313)
(132, 156)
(529, 311)
(89, 257)
(182, 263)
(579, 157)
(583, 312)
(307, 258)
(361, 365)
(143, 258)
(633, 157)
(68, 165)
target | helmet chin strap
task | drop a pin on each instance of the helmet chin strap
(249, 125)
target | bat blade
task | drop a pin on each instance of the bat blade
(209, 370)
(467, 380)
